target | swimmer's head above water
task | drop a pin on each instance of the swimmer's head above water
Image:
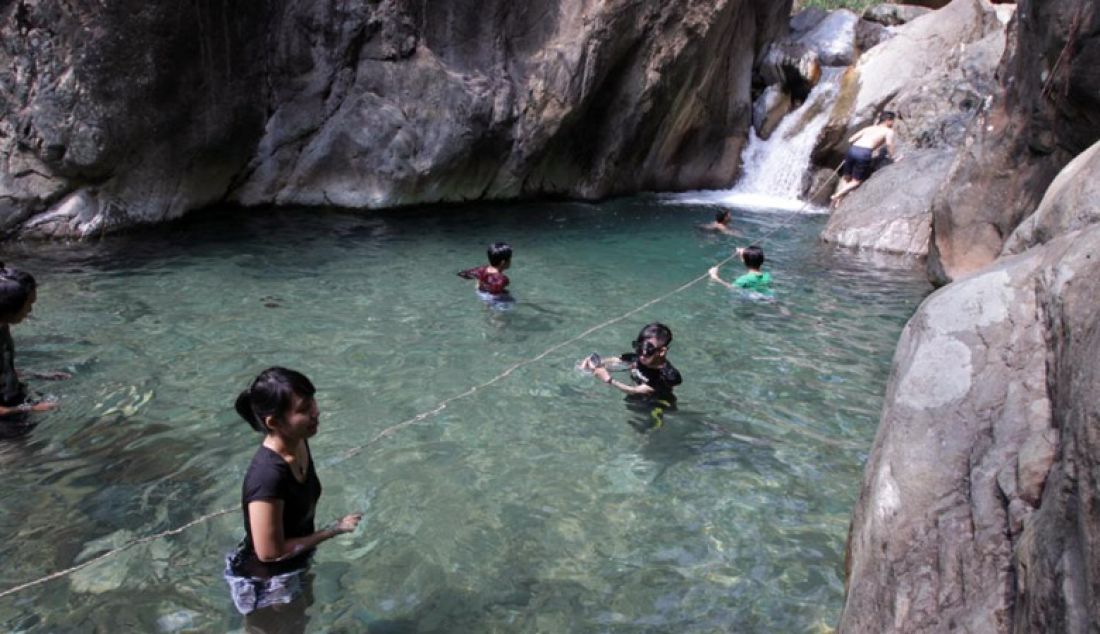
(753, 257)
(652, 342)
(18, 291)
(280, 401)
(722, 217)
(500, 255)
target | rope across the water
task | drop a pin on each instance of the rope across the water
(394, 429)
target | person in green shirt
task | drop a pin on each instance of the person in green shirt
(755, 280)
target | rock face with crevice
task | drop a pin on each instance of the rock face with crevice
(1046, 111)
(139, 112)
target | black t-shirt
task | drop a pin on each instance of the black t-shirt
(12, 392)
(270, 478)
(661, 379)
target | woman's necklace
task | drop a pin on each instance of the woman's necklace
(299, 466)
(296, 463)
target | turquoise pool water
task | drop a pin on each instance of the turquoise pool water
(531, 506)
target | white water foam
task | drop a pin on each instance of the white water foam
(773, 169)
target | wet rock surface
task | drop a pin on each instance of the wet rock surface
(892, 212)
(363, 103)
(833, 38)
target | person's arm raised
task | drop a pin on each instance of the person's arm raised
(713, 273)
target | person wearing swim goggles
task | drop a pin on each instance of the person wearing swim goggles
(653, 376)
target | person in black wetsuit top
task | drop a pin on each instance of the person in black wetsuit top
(491, 280)
(652, 374)
(279, 495)
(18, 292)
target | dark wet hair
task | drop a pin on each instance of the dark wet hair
(753, 257)
(656, 330)
(15, 288)
(271, 395)
(499, 253)
(887, 115)
(722, 216)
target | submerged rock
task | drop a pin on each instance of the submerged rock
(892, 212)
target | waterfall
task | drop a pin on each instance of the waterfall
(773, 169)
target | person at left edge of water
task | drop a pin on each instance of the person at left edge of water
(18, 293)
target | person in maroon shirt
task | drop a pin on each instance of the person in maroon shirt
(491, 279)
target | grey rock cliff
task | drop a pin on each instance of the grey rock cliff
(936, 74)
(1045, 112)
(1071, 202)
(992, 396)
(139, 112)
(980, 510)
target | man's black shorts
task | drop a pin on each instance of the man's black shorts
(858, 163)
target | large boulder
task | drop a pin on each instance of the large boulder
(804, 20)
(1046, 112)
(892, 211)
(769, 109)
(986, 451)
(834, 38)
(138, 112)
(791, 65)
(1057, 562)
(936, 73)
(1071, 202)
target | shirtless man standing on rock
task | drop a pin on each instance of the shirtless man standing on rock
(859, 161)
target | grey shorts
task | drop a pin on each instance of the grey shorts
(255, 593)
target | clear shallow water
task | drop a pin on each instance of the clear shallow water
(530, 506)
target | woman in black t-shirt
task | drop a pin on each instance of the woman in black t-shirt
(18, 292)
(280, 493)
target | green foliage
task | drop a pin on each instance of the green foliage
(857, 6)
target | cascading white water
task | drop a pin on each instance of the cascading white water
(776, 166)
(773, 169)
